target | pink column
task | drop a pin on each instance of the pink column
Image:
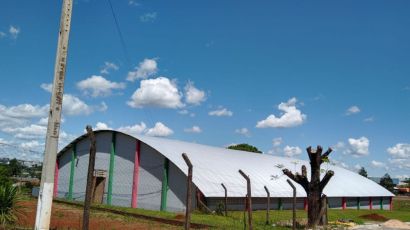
(136, 174)
(391, 203)
(305, 204)
(370, 203)
(56, 179)
(343, 203)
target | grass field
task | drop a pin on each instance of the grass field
(235, 220)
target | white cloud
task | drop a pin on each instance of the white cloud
(101, 126)
(32, 131)
(74, 106)
(14, 32)
(145, 69)
(136, 129)
(108, 66)
(358, 147)
(357, 167)
(47, 87)
(193, 95)
(221, 112)
(25, 111)
(400, 150)
(290, 117)
(159, 130)
(377, 164)
(103, 107)
(2, 34)
(133, 3)
(183, 112)
(369, 119)
(352, 110)
(194, 129)
(159, 92)
(98, 86)
(277, 141)
(291, 151)
(148, 17)
(30, 145)
(243, 131)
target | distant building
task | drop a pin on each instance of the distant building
(148, 172)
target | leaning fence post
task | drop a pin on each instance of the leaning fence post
(268, 205)
(189, 192)
(249, 199)
(294, 204)
(226, 200)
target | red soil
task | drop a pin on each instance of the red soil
(374, 216)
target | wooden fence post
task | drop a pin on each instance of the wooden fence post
(249, 198)
(268, 205)
(226, 200)
(189, 192)
(90, 174)
(293, 204)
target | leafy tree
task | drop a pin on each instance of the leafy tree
(363, 172)
(387, 182)
(407, 181)
(317, 201)
(245, 147)
(5, 175)
(15, 167)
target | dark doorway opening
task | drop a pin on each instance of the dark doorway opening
(99, 185)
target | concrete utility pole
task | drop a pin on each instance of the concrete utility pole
(45, 197)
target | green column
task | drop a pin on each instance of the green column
(111, 170)
(280, 205)
(381, 203)
(358, 203)
(165, 185)
(72, 166)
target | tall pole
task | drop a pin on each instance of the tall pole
(249, 198)
(267, 204)
(188, 192)
(90, 174)
(45, 197)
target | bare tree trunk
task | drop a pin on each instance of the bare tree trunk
(89, 188)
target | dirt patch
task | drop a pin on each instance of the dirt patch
(395, 224)
(180, 217)
(374, 216)
(69, 217)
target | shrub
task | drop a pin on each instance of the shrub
(10, 208)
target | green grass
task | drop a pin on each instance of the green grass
(235, 219)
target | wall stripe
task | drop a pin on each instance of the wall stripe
(137, 162)
(72, 165)
(111, 170)
(358, 203)
(391, 203)
(381, 203)
(305, 203)
(370, 203)
(56, 179)
(280, 205)
(343, 203)
(165, 186)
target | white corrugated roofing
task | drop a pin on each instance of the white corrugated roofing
(213, 166)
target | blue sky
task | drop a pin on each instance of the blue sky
(279, 75)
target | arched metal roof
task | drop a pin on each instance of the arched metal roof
(214, 165)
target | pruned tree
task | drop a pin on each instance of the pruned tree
(317, 202)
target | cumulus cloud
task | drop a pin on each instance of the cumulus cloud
(243, 131)
(136, 129)
(145, 69)
(401, 155)
(133, 3)
(32, 131)
(221, 112)
(290, 117)
(47, 87)
(291, 151)
(30, 144)
(2, 34)
(353, 110)
(14, 32)
(74, 106)
(193, 95)
(369, 119)
(101, 126)
(159, 92)
(358, 147)
(193, 129)
(108, 66)
(357, 167)
(98, 86)
(159, 130)
(277, 141)
(377, 164)
(148, 17)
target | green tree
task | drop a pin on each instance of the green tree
(387, 182)
(5, 175)
(10, 208)
(15, 167)
(245, 147)
(363, 172)
(407, 181)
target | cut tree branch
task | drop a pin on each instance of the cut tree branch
(326, 154)
(326, 179)
(300, 179)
